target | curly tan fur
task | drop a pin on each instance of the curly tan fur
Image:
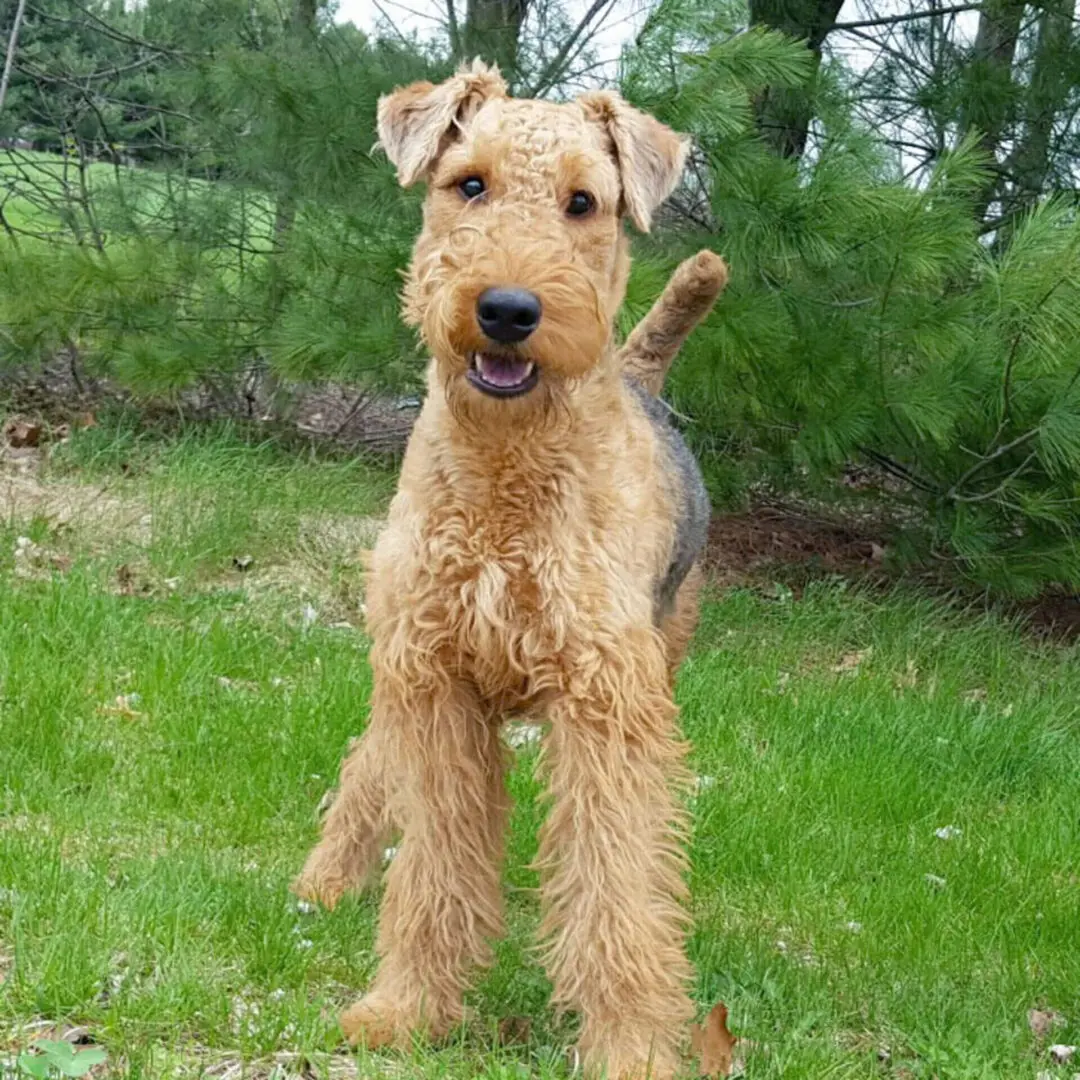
(518, 572)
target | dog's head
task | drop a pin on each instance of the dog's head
(522, 262)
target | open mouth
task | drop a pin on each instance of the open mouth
(501, 375)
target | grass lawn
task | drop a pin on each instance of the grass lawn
(886, 851)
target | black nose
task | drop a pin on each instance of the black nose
(508, 315)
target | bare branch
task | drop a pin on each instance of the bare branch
(910, 16)
(550, 75)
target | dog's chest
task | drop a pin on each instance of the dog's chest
(513, 589)
(505, 569)
(509, 594)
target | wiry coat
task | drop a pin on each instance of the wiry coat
(538, 557)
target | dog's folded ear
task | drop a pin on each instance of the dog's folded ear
(416, 122)
(650, 156)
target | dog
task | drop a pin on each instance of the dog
(540, 557)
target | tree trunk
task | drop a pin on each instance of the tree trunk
(492, 32)
(989, 98)
(266, 384)
(1047, 95)
(784, 113)
(9, 59)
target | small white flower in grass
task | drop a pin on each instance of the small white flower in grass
(278, 994)
(305, 943)
(304, 907)
(948, 832)
(703, 783)
(522, 736)
(389, 853)
(308, 616)
(934, 881)
(853, 927)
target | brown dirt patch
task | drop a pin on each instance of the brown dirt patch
(1056, 616)
(773, 542)
(746, 546)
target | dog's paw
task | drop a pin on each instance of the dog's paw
(374, 1022)
(625, 1062)
(317, 889)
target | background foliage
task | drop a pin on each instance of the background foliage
(189, 199)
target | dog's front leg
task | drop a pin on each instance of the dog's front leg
(611, 852)
(442, 904)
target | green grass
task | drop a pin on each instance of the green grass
(144, 859)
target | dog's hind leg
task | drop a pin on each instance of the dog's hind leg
(652, 346)
(357, 827)
(678, 626)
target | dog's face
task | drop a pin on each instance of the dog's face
(522, 262)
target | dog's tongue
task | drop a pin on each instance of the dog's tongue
(502, 371)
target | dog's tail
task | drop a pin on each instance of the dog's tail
(651, 348)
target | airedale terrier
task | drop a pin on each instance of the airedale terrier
(539, 557)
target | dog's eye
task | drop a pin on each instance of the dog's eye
(472, 187)
(581, 202)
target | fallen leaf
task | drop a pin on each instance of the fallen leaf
(325, 802)
(1043, 1021)
(1061, 1054)
(712, 1044)
(850, 662)
(21, 433)
(909, 678)
(125, 580)
(123, 705)
(237, 684)
(514, 1029)
(877, 552)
